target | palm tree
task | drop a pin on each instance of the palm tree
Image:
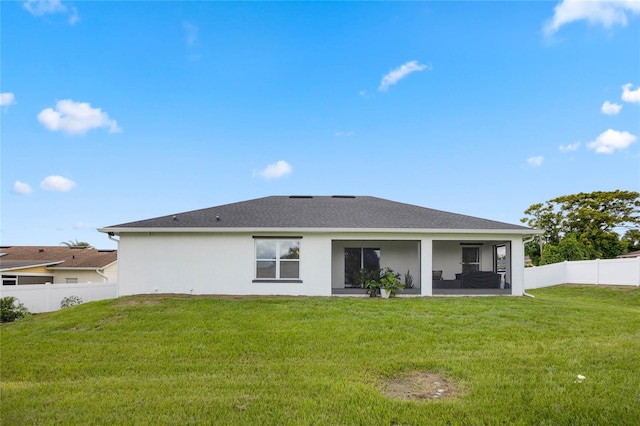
(75, 243)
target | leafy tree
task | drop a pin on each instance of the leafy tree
(569, 248)
(591, 219)
(550, 254)
(631, 239)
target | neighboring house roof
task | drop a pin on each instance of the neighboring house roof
(336, 212)
(54, 257)
(631, 254)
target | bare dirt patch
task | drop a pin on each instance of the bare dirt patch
(419, 386)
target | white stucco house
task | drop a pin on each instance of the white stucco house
(312, 245)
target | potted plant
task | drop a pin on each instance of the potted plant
(390, 283)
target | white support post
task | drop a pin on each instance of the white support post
(426, 265)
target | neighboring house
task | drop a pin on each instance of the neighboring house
(635, 253)
(313, 245)
(21, 265)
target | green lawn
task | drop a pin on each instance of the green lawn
(298, 361)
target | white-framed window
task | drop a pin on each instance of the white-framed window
(277, 258)
(470, 259)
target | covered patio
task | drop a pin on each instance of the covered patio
(434, 267)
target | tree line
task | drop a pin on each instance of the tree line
(584, 226)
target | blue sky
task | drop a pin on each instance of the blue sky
(118, 111)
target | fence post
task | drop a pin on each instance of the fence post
(638, 261)
(597, 271)
(47, 287)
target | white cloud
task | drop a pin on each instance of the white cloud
(629, 95)
(610, 109)
(569, 147)
(43, 7)
(47, 7)
(57, 183)
(611, 140)
(276, 170)
(22, 188)
(535, 161)
(7, 99)
(604, 12)
(76, 118)
(341, 133)
(399, 73)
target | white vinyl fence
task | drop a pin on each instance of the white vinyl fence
(47, 297)
(609, 272)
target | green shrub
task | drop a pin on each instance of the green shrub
(11, 309)
(70, 301)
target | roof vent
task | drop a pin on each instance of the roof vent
(40, 250)
(217, 218)
(300, 196)
(343, 196)
(175, 217)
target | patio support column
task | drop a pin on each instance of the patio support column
(517, 267)
(426, 265)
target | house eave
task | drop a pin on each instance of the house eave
(84, 268)
(29, 266)
(238, 230)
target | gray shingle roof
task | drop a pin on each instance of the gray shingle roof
(338, 212)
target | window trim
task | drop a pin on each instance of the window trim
(277, 260)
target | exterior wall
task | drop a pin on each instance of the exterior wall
(207, 263)
(224, 263)
(401, 256)
(111, 272)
